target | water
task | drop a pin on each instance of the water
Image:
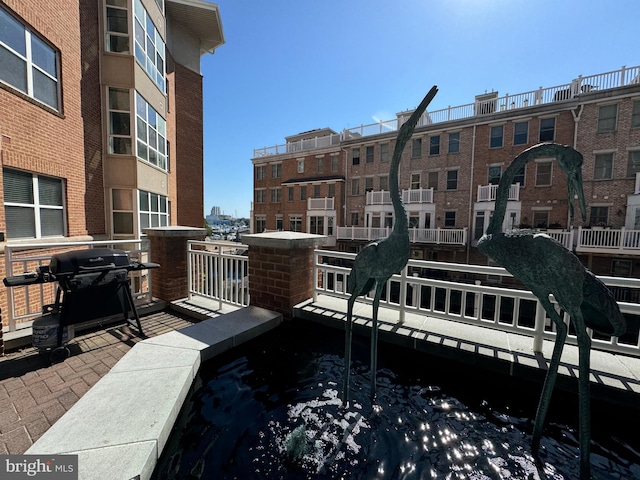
(272, 410)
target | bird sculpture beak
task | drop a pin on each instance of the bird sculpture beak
(574, 187)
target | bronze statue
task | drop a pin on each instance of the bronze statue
(546, 267)
(379, 260)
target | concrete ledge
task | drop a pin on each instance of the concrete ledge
(119, 428)
(285, 240)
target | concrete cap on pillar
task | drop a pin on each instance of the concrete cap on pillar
(288, 240)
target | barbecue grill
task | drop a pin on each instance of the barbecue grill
(92, 284)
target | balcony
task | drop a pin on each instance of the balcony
(487, 193)
(324, 204)
(435, 236)
(414, 195)
(608, 241)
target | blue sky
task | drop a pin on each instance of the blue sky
(291, 66)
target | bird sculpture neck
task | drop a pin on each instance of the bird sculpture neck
(400, 225)
(502, 194)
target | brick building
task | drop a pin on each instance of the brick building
(101, 117)
(451, 167)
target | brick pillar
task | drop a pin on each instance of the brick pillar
(168, 247)
(281, 269)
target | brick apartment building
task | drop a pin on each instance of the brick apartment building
(453, 163)
(101, 117)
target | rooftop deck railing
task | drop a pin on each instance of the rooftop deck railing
(581, 85)
(218, 271)
(326, 203)
(472, 294)
(25, 302)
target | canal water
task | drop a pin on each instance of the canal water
(271, 409)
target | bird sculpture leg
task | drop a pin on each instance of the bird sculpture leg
(584, 398)
(552, 372)
(374, 337)
(347, 349)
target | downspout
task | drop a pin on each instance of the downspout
(576, 120)
(470, 219)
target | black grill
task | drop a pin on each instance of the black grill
(92, 284)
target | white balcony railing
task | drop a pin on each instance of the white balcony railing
(636, 190)
(608, 240)
(442, 236)
(415, 195)
(326, 203)
(462, 293)
(218, 271)
(560, 93)
(487, 193)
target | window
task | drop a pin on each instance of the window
(434, 145)
(450, 219)
(316, 225)
(607, 116)
(276, 195)
(28, 63)
(355, 156)
(495, 140)
(478, 226)
(519, 177)
(261, 223)
(119, 122)
(635, 114)
(603, 169)
(149, 46)
(368, 154)
(354, 219)
(384, 152)
(432, 180)
(454, 142)
(355, 186)
(543, 174)
(279, 223)
(260, 195)
(334, 163)
(621, 267)
(452, 179)
(295, 223)
(301, 165)
(331, 190)
(276, 170)
(414, 220)
(154, 211)
(384, 182)
(547, 129)
(261, 172)
(303, 192)
(540, 218)
(316, 191)
(494, 174)
(599, 216)
(416, 148)
(151, 134)
(320, 164)
(520, 133)
(33, 205)
(122, 212)
(633, 163)
(415, 181)
(368, 184)
(117, 26)
(290, 194)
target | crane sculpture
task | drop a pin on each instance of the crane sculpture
(546, 267)
(380, 259)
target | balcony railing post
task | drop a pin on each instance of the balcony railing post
(403, 294)
(538, 335)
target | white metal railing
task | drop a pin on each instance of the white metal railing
(581, 85)
(378, 197)
(219, 271)
(326, 203)
(412, 195)
(25, 302)
(608, 240)
(443, 236)
(462, 294)
(487, 193)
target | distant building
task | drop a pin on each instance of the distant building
(338, 184)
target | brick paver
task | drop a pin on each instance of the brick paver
(34, 394)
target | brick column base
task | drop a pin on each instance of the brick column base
(281, 269)
(168, 247)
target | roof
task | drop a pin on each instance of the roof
(200, 18)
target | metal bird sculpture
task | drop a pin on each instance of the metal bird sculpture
(546, 267)
(379, 260)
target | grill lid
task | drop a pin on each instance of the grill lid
(93, 259)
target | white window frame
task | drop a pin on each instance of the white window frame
(149, 61)
(149, 130)
(163, 217)
(118, 135)
(122, 7)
